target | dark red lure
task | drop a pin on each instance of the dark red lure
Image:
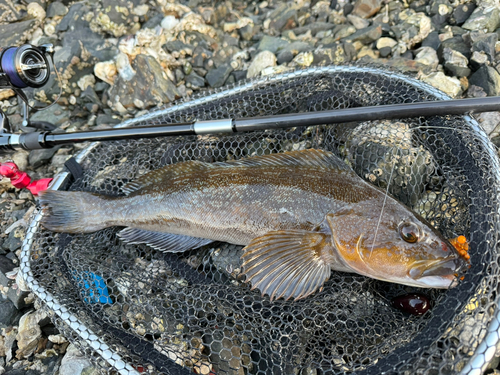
(413, 303)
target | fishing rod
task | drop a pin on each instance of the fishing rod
(28, 66)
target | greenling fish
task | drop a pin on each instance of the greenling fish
(300, 215)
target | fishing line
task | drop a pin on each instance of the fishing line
(383, 206)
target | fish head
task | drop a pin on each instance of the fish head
(395, 245)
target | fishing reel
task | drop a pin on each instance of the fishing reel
(21, 68)
(25, 66)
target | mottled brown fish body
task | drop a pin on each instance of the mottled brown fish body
(282, 206)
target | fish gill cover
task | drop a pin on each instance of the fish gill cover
(130, 307)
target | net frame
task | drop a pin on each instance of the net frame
(477, 363)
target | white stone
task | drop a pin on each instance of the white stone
(86, 81)
(169, 22)
(123, 66)
(386, 42)
(36, 11)
(57, 339)
(427, 56)
(106, 71)
(449, 85)
(263, 60)
(74, 363)
(141, 10)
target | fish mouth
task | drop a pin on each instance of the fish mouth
(437, 274)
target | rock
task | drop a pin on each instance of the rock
(239, 75)
(348, 8)
(439, 7)
(476, 92)
(285, 57)
(37, 158)
(20, 158)
(427, 56)
(456, 63)
(344, 31)
(249, 31)
(366, 36)
(432, 40)
(272, 44)
(15, 34)
(75, 18)
(490, 122)
(147, 85)
(358, 22)
(463, 12)
(484, 18)
(484, 43)
(314, 28)
(9, 314)
(74, 363)
(217, 77)
(385, 42)
(439, 80)
(487, 78)
(284, 20)
(455, 44)
(29, 332)
(263, 60)
(194, 80)
(366, 8)
(478, 59)
(385, 51)
(56, 8)
(12, 243)
(169, 22)
(415, 28)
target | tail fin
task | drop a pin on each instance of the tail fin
(73, 211)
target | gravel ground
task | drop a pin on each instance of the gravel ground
(118, 59)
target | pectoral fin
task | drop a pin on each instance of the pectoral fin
(174, 243)
(289, 264)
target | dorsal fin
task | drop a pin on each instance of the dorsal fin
(305, 158)
(165, 174)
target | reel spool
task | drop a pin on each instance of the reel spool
(26, 66)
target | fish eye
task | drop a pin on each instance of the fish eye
(409, 232)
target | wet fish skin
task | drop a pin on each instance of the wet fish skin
(300, 215)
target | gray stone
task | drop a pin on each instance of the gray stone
(366, 8)
(487, 78)
(285, 57)
(285, 20)
(456, 70)
(177, 46)
(484, 43)
(200, 55)
(154, 19)
(478, 59)
(147, 86)
(16, 33)
(263, 60)
(9, 314)
(456, 63)
(239, 75)
(249, 31)
(272, 44)
(75, 18)
(436, 6)
(14, 295)
(56, 9)
(74, 363)
(315, 28)
(217, 77)
(104, 119)
(432, 40)
(385, 51)
(487, 18)
(194, 80)
(476, 92)
(463, 12)
(56, 114)
(12, 243)
(457, 44)
(366, 36)
(358, 22)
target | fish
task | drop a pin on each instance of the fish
(299, 214)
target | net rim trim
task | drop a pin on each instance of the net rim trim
(477, 363)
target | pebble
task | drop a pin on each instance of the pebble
(366, 35)
(484, 18)
(169, 22)
(439, 80)
(217, 77)
(487, 78)
(272, 44)
(366, 8)
(358, 22)
(463, 12)
(456, 62)
(261, 61)
(29, 332)
(427, 56)
(56, 8)
(74, 363)
(9, 314)
(385, 42)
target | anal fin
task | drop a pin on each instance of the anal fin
(288, 264)
(173, 243)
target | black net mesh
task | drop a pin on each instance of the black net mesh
(190, 312)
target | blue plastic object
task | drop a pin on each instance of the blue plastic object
(93, 287)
